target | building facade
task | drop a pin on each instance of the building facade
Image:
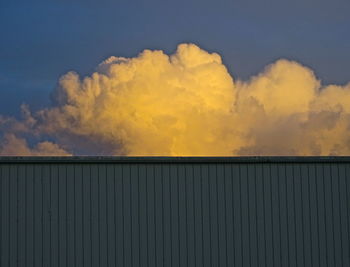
(178, 212)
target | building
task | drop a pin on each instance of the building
(115, 211)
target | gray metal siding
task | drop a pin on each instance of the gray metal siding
(174, 214)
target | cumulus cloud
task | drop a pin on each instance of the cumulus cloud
(185, 104)
(14, 146)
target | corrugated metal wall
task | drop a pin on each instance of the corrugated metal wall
(175, 214)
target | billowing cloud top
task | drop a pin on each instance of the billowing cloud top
(185, 104)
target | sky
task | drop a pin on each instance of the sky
(175, 78)
(41, 40)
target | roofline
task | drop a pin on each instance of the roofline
(113, 159)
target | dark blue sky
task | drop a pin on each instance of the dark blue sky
(41, 40)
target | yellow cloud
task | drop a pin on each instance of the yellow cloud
(187, 104)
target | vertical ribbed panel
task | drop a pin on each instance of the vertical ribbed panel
(174, 214)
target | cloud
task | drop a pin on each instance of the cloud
(14, 146)
(185, 104)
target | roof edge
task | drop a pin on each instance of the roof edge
(113, 159)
